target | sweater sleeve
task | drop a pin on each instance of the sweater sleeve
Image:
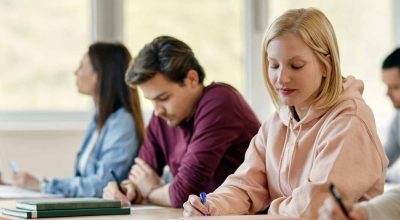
(151, 151)
(118, 146)
(386, 206)
(217, 124)
(392, 146)
(347, 154)
(245, 191)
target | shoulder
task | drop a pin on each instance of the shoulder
(220, 90)
(119, 131)
(350, 117)
(352, 107)
(221, 94)
(120, 119)
(222, 100)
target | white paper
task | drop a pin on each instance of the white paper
(12, 192)
(145, 207)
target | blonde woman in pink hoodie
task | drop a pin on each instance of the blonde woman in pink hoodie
(322, 132)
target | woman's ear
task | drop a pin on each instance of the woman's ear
(328, 65)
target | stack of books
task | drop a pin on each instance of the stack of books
(66, 207)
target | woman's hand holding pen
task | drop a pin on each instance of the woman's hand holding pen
(26, 180)
(195, 207)
(111, 191)
(331, 210)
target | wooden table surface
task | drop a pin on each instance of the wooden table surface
(142, 212)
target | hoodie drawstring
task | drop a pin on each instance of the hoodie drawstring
(293, 154)
(281, 157)
(283, 153)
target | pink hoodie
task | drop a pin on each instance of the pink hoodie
(289, 164)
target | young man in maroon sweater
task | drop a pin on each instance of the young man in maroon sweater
(200, 132)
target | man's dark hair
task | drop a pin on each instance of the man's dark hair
(393, 60)
(165, 55)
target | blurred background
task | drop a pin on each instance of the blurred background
(43, 117)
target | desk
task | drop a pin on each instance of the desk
(152, 214)
(243, 217)
(141, 214)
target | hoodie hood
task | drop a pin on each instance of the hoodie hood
(352, 89)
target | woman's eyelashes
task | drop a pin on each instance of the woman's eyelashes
(297, 66)
(292, 66)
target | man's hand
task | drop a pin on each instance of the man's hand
(144, 177)
(25, 180)
(111, 191)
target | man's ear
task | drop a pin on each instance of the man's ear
(192, 78)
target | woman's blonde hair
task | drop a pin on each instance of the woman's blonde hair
(314, 28)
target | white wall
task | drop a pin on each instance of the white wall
(45, 153)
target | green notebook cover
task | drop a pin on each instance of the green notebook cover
(67, 203)
(65, 212)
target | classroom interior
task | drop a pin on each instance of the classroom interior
(42, 116)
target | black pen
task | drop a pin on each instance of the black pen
(338, 199)
(116, 180)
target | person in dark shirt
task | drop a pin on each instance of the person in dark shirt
(201, 132)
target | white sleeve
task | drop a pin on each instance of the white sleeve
(385, 206)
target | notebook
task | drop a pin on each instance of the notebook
(65, 212)
(67, 203)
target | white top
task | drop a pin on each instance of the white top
(88, 151)
(385, 206)
(393, 172)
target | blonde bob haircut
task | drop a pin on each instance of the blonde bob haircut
(314, 28)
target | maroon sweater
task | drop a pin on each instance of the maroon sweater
(202, 151)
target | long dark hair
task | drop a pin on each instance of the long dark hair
(110, 61)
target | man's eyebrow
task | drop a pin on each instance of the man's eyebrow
(157, 96)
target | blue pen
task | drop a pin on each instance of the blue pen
(12, 166)
(203, 199)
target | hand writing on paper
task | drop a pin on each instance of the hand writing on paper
(26, 180)
(144, 177)
(331, 210)
(194, 207)
(129, 193)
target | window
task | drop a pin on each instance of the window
(41, 43)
